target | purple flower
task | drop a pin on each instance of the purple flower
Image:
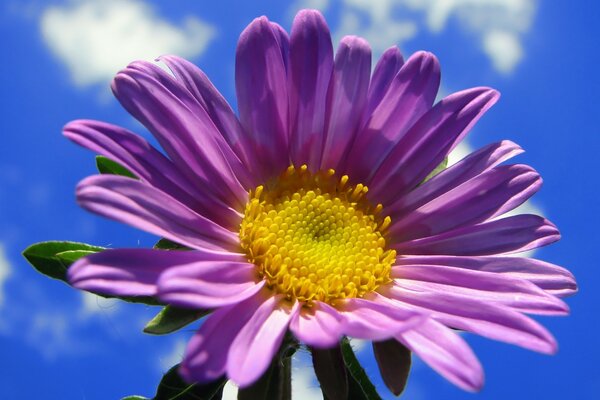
(308, 212)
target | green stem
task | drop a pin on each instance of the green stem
(285, 390)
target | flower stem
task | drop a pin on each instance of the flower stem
(285, 389)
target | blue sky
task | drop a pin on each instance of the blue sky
(57, 343)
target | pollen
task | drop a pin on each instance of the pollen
(314, 237)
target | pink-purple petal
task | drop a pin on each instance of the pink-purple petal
(262, 93)
(205, 357)
(208, 284)
(515, 293)
(140, 205)
(489, 194)
(151, 166)
(183, 129)
(132, 272)
(553, 279)
(483, 318)
(310, 68)
(319, 326)
(428, 142)
(502, 236)
(446, 352)
(385, 70)
(258, 340)
(346, 98)
(375, 318)
(469, 167)
(409, 96)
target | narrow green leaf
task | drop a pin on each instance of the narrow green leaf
(54, 258)
(359, 384)
(44, 256)
(170, 319)
(173, 387)
(135, 398)
(443, 165)
(166, 244)
(108, 166)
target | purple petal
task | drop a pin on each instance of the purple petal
(183, 128)
(375, 319)
(257, 342)
(346, 98)
(483, 318)
(205, 358)
(507, 235)
(409, 96)
(491, 287)
(453, 176)
(137, 155)
(446, 352)
(261, 87)
(553, 279)
(319, 326)
(428, 142)
(310, 69)
(208, 284)
(219, 111)
(386, 69)
(137, 204)
(492, 193)
(132, 272)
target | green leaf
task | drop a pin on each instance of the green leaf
(443, 165)
(108, 166)
(54, 258)
(135, 398)
(166, 244)
(172, 387)
(170, 319)
(45, 258)
(359, 384)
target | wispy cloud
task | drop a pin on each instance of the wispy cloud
(96, 38)
(5, 271)
(498, 26)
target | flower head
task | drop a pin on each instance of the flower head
(309, 212)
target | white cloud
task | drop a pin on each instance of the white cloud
(173, 356)
(498, 25)
(96, 38)
(92, 304)
(4, 272)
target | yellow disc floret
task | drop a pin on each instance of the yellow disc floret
(314, 237)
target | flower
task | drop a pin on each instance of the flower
(308, 213)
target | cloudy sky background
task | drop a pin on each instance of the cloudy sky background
(60, 55)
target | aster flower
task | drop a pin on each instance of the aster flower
(309, 212)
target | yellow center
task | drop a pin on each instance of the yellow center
(314, 237)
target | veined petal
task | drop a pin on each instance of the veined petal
(408, 97)
(208, 284)
(346, 98)
(492, 193)
(480, 317)
(491, 287)
(375, 319)
(310, 69)
(469, 167)
(183, 128)
(320, 326)
(218, 109)
(262, 93)
(446, 352)
(258, 340)
(133, 272)
(206, 355)
(386, 69)
(140, 205)
(150, 165)
(507, 235)
(428, 142)
(551, 278)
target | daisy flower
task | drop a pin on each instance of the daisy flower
(309, 212)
